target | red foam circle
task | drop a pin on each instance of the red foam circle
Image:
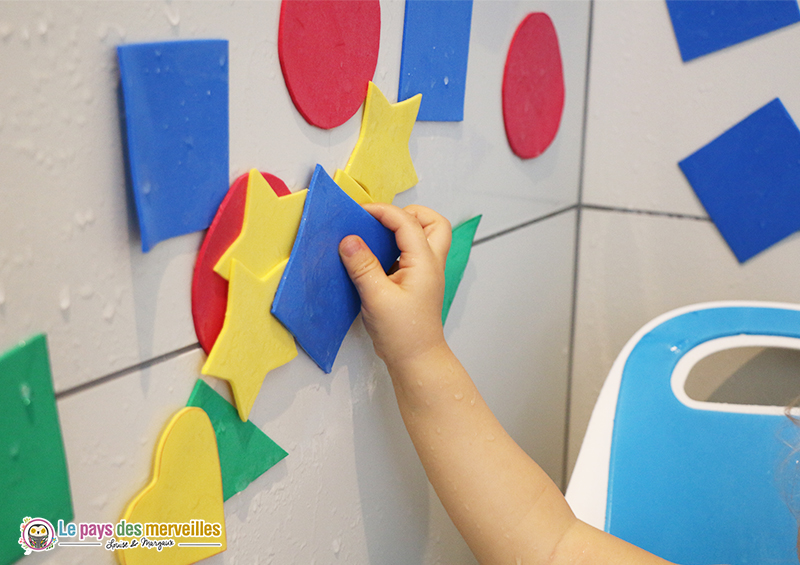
(209, 290)
(328, 53)
(533, 87)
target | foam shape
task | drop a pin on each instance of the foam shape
(33, 469)
(209, 290)
(316, 299)
(457, 258)
(748, 179)
(269, 228)
(351, 187)
(252, 341)
(533, 87)
(328, 53)
(695, 482)
(434, 57)
(704, 27)
(176, 118)
(185, 488)
(381, 161)
(245, 452)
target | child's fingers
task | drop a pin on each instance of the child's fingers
(408, 231)
(362, 266)
(436, 228)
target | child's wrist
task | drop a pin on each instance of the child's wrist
(429, 377)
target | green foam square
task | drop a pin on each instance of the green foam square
(457, 259)
(245, 452)
(33, 468)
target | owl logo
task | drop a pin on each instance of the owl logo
(37, 534)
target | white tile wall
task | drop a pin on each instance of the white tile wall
(510, 328)
(647, 110)
(352, 489)
(70, 258)
(634, 267)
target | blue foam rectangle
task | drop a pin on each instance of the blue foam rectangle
(748, 180)
(434, 57)
(705, 26)
(176, 120)
(316, 300)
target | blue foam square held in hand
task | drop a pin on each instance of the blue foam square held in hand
(748, 180)
(702, 27)
(176, 119)
(434, 58)
(316, 299)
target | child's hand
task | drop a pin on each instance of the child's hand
(403, 311)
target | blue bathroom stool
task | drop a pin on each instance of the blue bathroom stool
(692, 482)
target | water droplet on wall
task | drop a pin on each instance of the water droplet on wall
(5, 31)
(63, 299)
(173, 15)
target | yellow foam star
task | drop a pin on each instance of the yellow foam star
(351, 187)
(268, 231)
(380, 161)
(185, 488)
(252, 341)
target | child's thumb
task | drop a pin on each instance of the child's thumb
(361, 264)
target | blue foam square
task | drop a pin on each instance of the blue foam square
(316, 299)
(176, 119)
(748, 180)
(434, 57)
(702, 27)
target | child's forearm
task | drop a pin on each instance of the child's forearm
(505, 506)
(494, 493)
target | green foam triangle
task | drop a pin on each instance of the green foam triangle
(457, 258)
(245, 452)
(33, 468)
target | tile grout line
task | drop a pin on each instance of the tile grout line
(524, 225)
(66, 393)
(621, 210)
(579, 207)
(576, 263)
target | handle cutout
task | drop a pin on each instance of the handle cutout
(744, 373)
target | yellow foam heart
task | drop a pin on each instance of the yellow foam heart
(381, 161)
(268, 230)
(185, 489)
(252, 341)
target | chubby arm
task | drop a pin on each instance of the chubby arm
(503, 504)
